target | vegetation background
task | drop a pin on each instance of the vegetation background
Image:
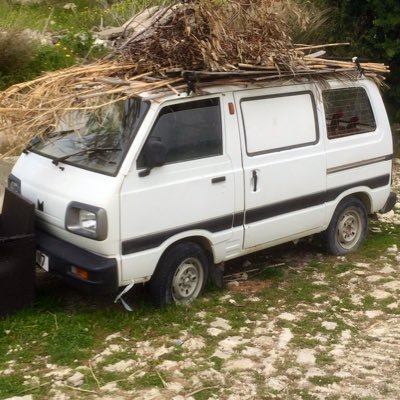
(372, 27)
(43, 35)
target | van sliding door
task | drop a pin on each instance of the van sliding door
(284, 164)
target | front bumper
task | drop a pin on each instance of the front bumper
(390, 203)
(102, 273)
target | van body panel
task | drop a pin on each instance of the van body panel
(283, 183)
(139, 266)
(52, 189)
(362, 157)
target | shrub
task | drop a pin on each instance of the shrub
(16, 54)
(16, 50)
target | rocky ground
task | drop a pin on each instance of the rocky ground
(329, 330)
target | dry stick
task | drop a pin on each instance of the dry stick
(47, 21)
(133, 37)
(125, 379)
(162, 380)
(240, 273)
(102, 93)
(70, 96)
(55, 319)
(320, 46)
(344, 63)
(257, 67)
(35, 387)
(173, 90)
(149, 87)
(201, 390)
(140, 23)
(145, 87)
(58, 100)
(68, 72)
(80, 390)
(317, 54)
(304, 74)
(93, 374)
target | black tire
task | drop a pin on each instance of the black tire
(180, 275)
(347, 229)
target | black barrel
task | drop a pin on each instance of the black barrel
(17, 253)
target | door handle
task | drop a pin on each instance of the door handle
(219, 179)
(255, 179)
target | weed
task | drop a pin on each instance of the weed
(324, 380)
(204, 394)
(368, 301)
(218, 363)
(149, 380)
(323, 359)
(305, 395)
(9, 383)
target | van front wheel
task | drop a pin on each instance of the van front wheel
(347, 229)
(180, 276)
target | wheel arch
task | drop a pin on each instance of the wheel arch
(341, 238)
(165, 274)
(202, 241)
(362, 196)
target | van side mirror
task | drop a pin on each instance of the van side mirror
(154, 155)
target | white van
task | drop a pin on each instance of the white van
(163, 190)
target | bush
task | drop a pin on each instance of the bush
(16, 50)
(16, 54)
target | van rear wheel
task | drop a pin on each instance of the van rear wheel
(180, 276)
(348, 227)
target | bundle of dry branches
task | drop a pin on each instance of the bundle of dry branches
(213, 36)
(196, 43)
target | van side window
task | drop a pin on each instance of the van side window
(347, 112)
(279, 122)
(189, 130)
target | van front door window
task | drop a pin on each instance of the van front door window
(189, 131)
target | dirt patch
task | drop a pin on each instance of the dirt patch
(250, 286)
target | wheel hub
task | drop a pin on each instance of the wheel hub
(187, 280)
(349, 229)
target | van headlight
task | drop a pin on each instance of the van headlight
(86, 220)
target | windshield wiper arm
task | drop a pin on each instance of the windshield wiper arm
(60, 133)
(57, 160)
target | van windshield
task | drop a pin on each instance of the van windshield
(97, 140)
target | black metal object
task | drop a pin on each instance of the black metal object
(17, 253)
(102, 272)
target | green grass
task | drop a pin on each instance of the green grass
(10, 384)
(86, 14)
(70, 30)
(149, 380)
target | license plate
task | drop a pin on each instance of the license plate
(42, 260)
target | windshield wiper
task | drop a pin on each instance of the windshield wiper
(57, 160)
(28, 147)
(60, 133)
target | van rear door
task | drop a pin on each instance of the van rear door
(284, 164)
